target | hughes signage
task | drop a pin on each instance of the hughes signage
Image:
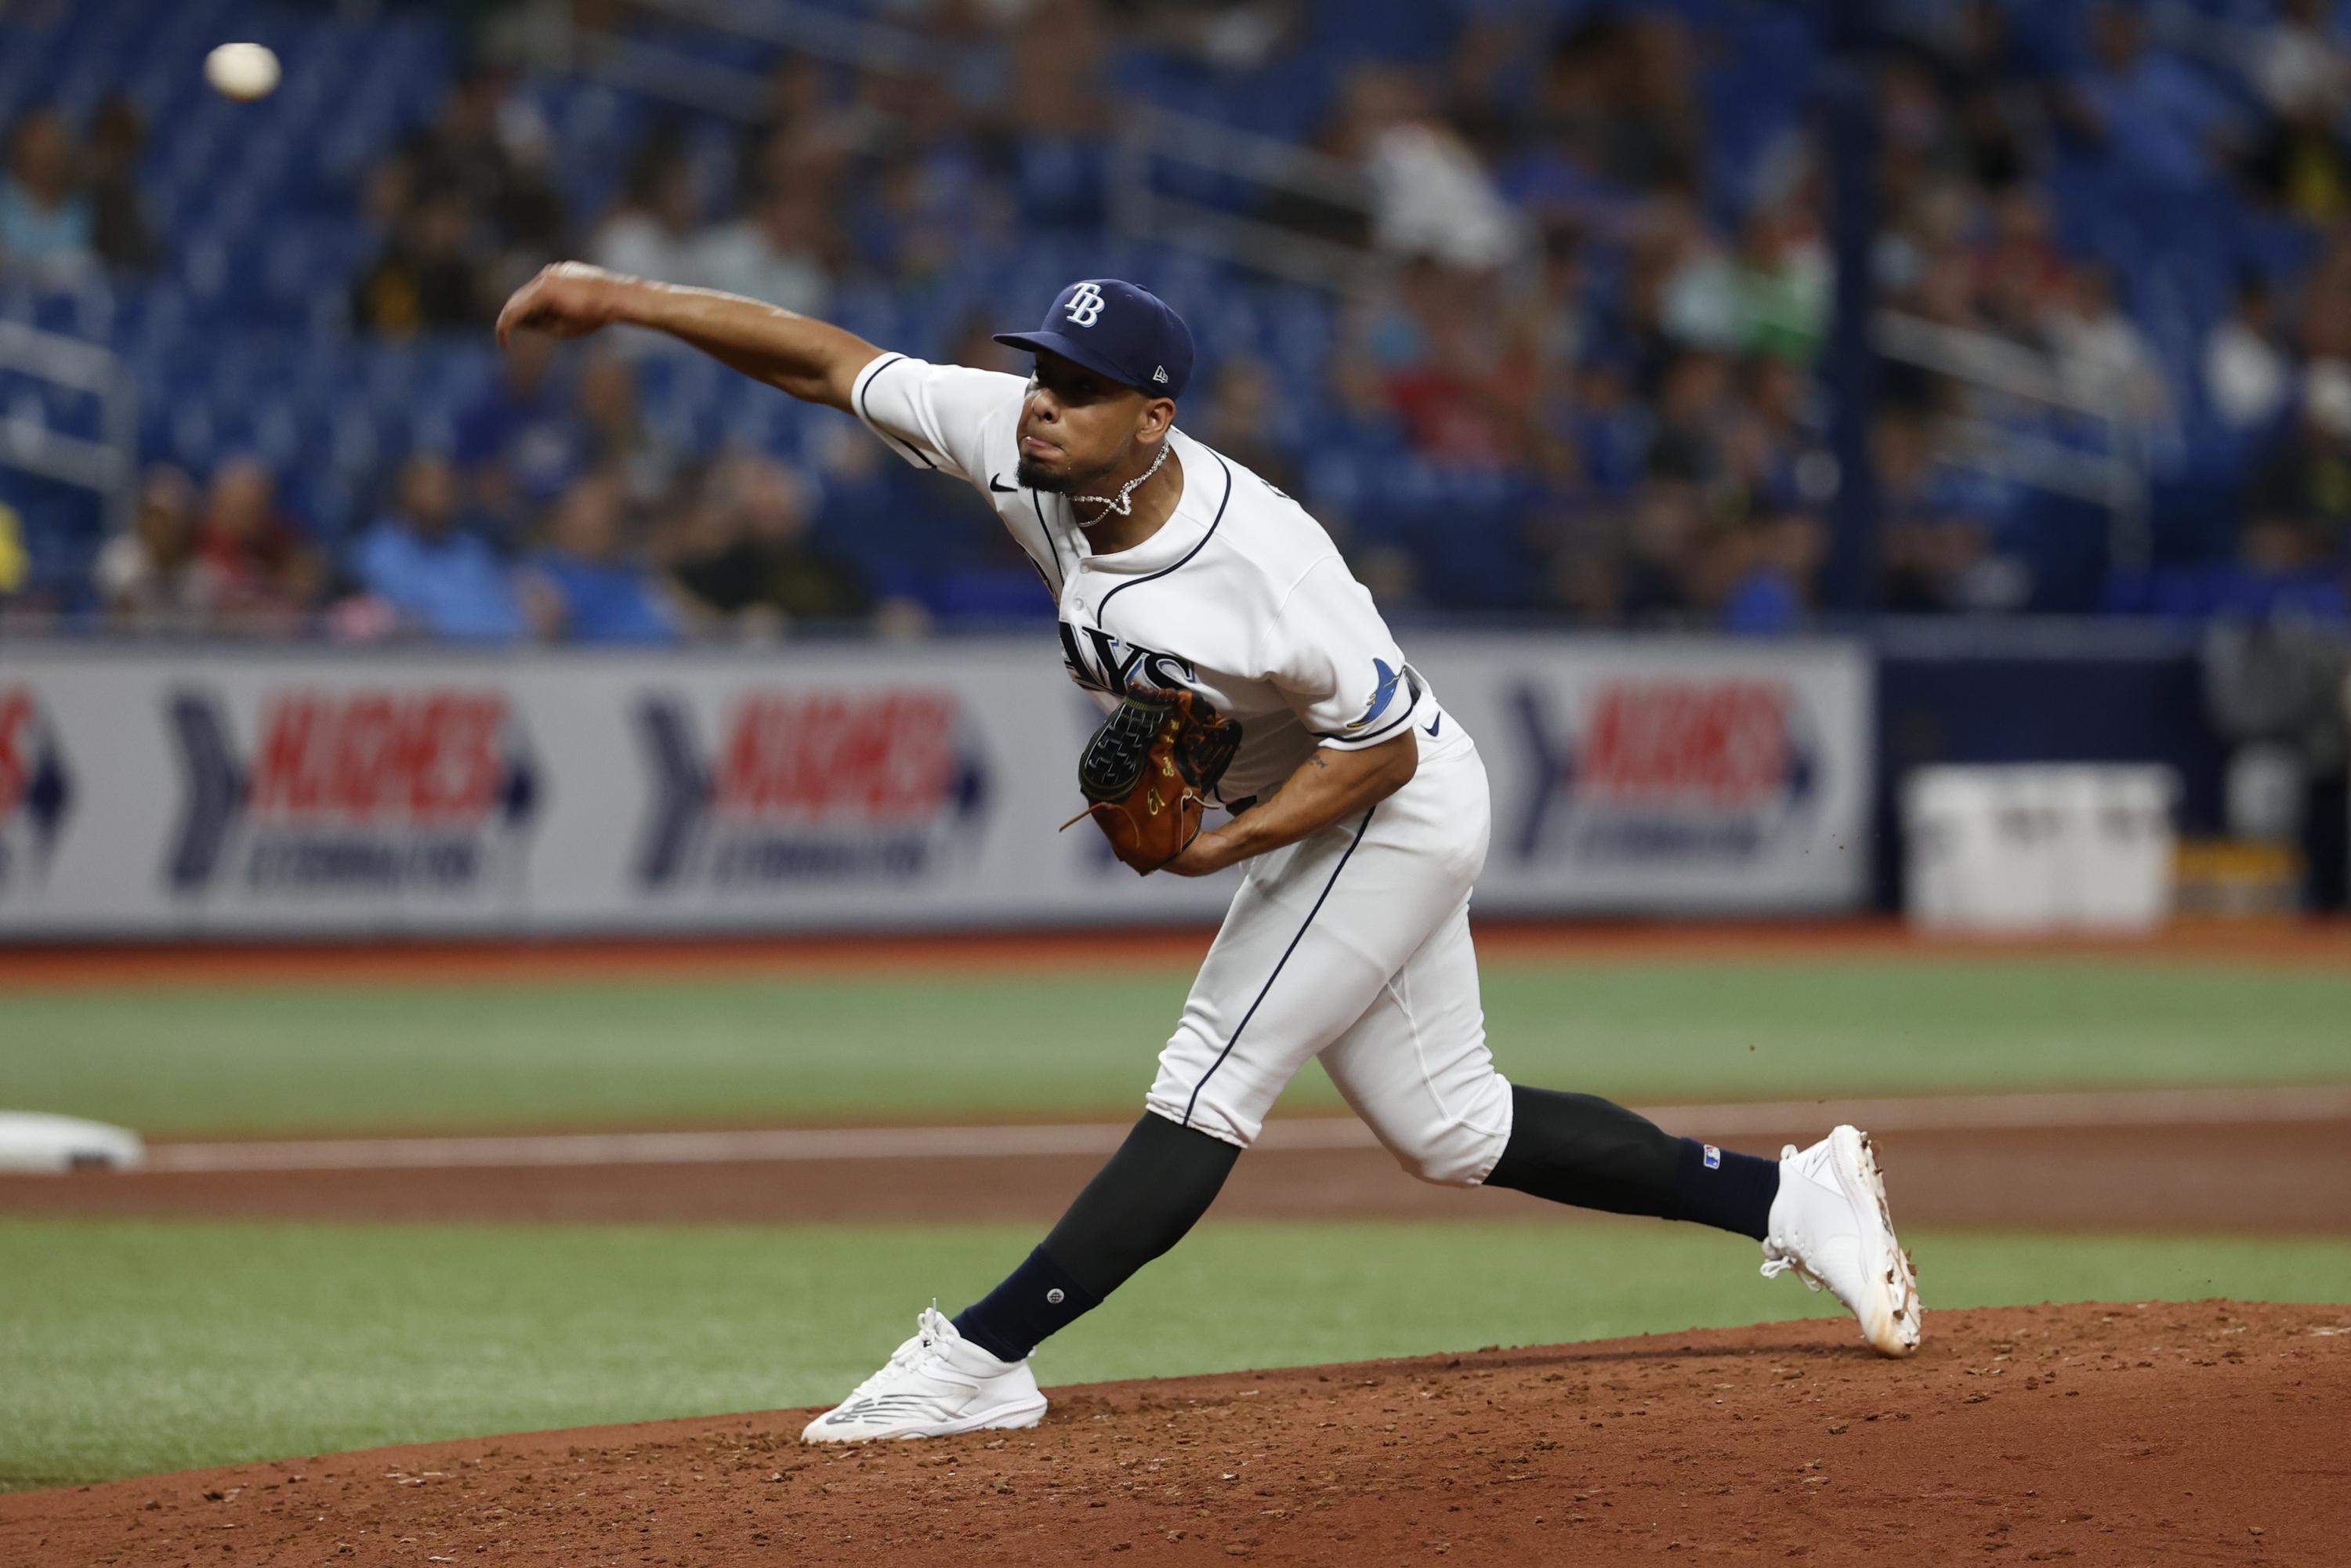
(314, 791)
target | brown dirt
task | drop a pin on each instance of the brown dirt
(2208, 1432)
(2275, 1177)
(2291, 944)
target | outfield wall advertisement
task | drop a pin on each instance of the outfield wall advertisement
(217, 792)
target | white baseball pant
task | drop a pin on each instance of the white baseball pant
(1352, 944)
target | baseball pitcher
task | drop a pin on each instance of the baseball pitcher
(1243, 671)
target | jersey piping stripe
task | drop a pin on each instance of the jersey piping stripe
(1361, 829)
(867, 385)
(1400, 720)
(1103, 608)
(1052, 548)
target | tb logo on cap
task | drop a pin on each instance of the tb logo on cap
(1086, 305)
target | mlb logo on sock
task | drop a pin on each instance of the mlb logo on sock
(1713, 1158)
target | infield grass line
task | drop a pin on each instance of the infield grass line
(584, 1055)
(1956, 1112)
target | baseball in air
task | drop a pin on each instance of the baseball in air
(242, 71)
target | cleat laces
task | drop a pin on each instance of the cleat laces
(930, 1330)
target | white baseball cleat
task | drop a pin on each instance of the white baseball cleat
(935, 1384)
(1830, 1224)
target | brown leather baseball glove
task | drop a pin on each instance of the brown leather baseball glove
(1147, 771)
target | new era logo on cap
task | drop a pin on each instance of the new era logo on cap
(1160, 375)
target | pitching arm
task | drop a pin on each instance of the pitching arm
(814, 360)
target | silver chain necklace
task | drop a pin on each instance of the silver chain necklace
(1123, 502)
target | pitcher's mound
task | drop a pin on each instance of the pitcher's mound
(2208, 1432)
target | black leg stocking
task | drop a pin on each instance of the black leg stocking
(1583, 1150)
(1154, 1188)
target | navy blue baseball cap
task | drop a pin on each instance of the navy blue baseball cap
(1115, 329)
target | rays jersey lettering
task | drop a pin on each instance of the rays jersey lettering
(1275, 632)
(1101, 663)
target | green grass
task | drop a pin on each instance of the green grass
(132, 1347)
(220, 1059)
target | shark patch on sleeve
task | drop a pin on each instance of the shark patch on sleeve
(1382, 694)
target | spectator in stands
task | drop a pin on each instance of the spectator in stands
(489, 148)
(1781, 283)
(1777, 463)
(1250, 422)
(2104, 359)
(2299, 63)
(1555, 171)
(775, 253)
(1592, 408)
(1445, 368)
(16, 560)
(652, 233)
(2019, 274)
(1684, 293)
(974, 343)
(1767, 568)
(1431, 196)
(1392, 576)
(1652, 121)
(520, 444)
(441, 581)
(1654, 579)
(932, 196)
(151, 578)
(1055, 75)
(615, 435)
(426, 279)
(2155, 117)
(120, 232)
(2297, 511)
(262, 575)
(749, 566)
(48, 223)
(587, 585)
(1695, 408)
(2299, 161)
(2248, 375)
(806, 130)
(1935, 550)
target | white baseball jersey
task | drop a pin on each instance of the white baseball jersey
(1352, 944)
(1239, 596)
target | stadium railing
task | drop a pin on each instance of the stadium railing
(31, 435)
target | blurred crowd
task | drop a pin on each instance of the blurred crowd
(722, 552)
(69, 199)
(1577, 295)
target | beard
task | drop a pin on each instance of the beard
(1074, 482)
(1030, 476)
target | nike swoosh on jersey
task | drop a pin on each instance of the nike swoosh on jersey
(1000, 489)
(1434, 723)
